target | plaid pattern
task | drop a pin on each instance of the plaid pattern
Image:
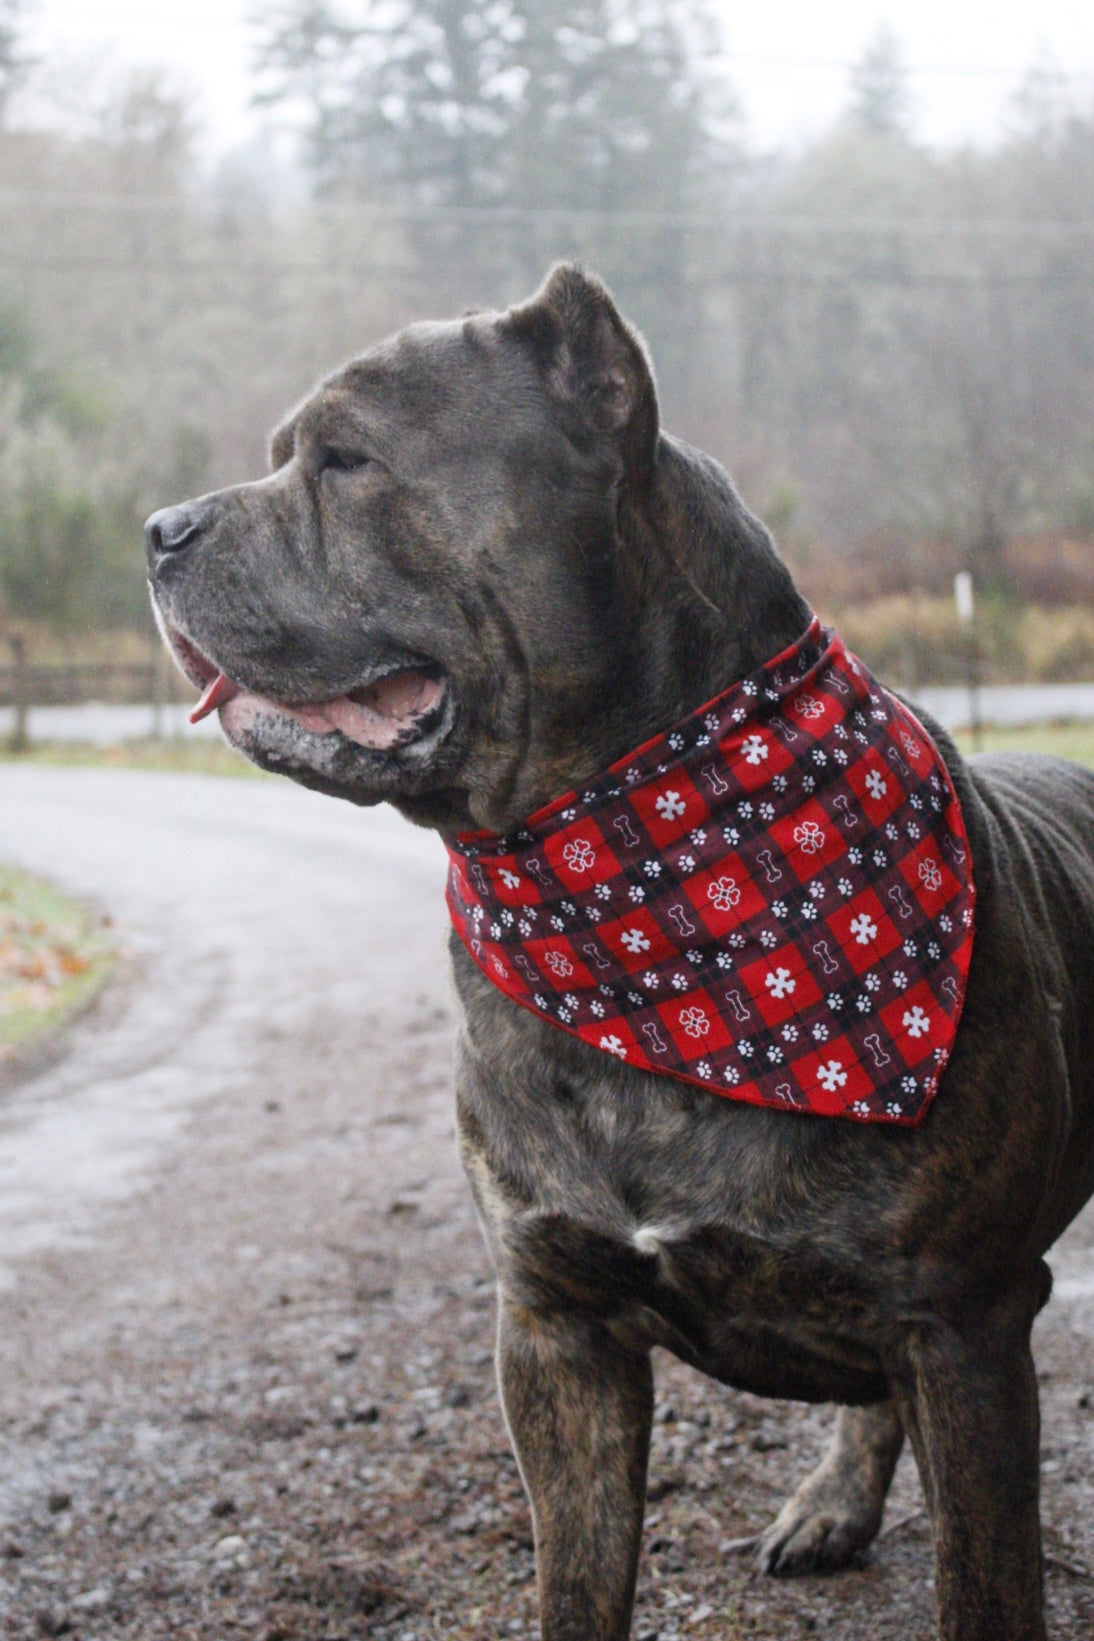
(773, 900)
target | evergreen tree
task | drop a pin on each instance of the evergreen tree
(880, 98)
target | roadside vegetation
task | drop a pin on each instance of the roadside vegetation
(56, 954)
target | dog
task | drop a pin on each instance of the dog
(479, 575)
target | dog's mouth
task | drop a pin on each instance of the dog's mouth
(387, 712)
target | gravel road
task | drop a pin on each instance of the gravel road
(245, 1315)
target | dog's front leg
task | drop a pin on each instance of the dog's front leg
(969, 1404)
(579, 1407)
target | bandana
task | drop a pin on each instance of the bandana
(772, 900)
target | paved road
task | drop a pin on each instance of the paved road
(1005, 705)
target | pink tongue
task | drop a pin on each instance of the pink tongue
(220, 689)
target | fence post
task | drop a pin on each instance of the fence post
(20, 739)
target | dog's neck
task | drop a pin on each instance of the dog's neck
(711, 599)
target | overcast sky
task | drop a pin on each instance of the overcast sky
(788, 62)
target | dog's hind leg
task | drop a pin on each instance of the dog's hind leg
(579, 1408)
(837, 1510)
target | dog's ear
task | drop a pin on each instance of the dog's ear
(594, 364)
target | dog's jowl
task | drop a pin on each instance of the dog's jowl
(777, 1045)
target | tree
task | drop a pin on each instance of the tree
(12, 64)
(880, 98)
(457, 104)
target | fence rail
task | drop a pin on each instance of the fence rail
(116, 683)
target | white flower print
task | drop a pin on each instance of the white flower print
(876, 784)
(510, 879)
(694, 1022)
(559, 964)
(755, 750)
(864, 929)
(724, 893)
(613, 1046)
(579, 855)
(809, 706)
(780, 983)
(930, 876)
(915, 1022)
(670, 805)
(809, 837)
(634, 940)
(832, 1076)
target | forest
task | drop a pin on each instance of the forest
(891, 346)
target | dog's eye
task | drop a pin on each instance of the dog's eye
(334, 460)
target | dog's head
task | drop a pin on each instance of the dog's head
(447, 592)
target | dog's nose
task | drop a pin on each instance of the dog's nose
(173, 528)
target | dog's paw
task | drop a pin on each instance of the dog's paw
(816, 1531)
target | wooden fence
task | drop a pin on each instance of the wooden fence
(25, 683)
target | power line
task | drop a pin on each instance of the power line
(326, 271)
(730, 222)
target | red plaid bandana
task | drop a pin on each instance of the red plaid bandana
(773, 900)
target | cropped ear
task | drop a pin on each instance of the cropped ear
(594, 364)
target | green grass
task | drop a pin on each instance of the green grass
(56, 954)
(1074, 741)
(199, 755)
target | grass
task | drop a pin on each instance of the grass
(198, 755)
(1074, 741)
(56, 954)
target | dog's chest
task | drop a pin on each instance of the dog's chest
(671, 1236)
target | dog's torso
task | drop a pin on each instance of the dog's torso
(783, 1253)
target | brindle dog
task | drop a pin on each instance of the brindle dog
(477, 574)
